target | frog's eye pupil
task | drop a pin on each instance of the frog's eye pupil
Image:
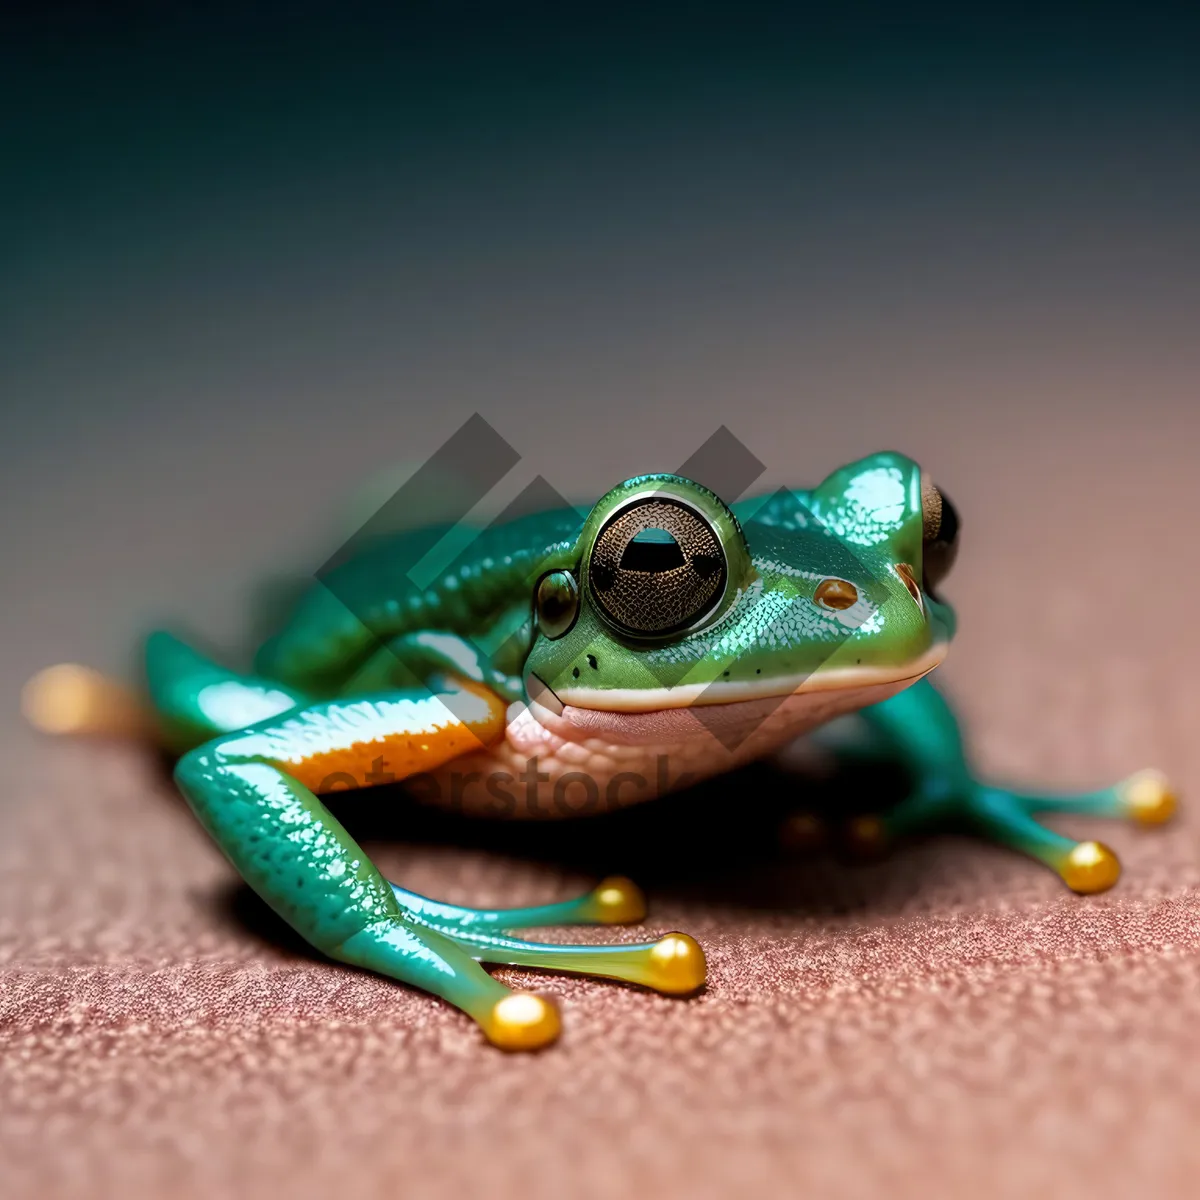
(557, 603)
(657, 567)
(648, 553)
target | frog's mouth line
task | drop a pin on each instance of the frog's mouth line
(577, 705)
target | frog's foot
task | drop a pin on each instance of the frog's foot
(1009, 818)
(446, 962)
(674, 964)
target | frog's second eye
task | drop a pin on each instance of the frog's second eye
(657, 567)
(557, 603)
(940, 528)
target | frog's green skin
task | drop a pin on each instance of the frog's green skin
(458, 687)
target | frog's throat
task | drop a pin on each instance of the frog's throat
(727, 692)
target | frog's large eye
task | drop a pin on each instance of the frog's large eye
(940, 528)
(557, 603)
(657, 567)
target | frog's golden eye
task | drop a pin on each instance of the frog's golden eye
(557, 603)
(939, 520)
(657, 567)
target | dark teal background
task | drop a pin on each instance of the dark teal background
(249, 261)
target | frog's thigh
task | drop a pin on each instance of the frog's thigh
(254, 792)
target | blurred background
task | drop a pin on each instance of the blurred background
(253, 256)
(256, 254)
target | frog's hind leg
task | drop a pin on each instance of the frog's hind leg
(256, 792)
(195, 699)
(920, 727)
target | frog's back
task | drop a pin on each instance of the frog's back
(379, 589)
(382, 589)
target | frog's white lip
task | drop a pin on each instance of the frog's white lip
(646, 700)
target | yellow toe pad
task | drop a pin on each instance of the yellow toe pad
(523, 1021)
(1090, 867)
(677, 965)
(618, 901)
(1148, 797)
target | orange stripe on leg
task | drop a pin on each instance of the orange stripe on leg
(399, 739)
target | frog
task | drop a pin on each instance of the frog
(565, 665)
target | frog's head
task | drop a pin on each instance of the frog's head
(668, 600)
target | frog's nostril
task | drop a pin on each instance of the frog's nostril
(836, 594)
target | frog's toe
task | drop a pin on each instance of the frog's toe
(615, 901)
(673, 965)
(1088, 868)
(676, 965)
(522, 1021)
(1147, 797)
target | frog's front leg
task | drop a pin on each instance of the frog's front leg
(256, 792)
(919, 727)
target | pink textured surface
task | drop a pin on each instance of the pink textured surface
(950, 1022)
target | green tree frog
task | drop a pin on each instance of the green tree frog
(565, 665)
